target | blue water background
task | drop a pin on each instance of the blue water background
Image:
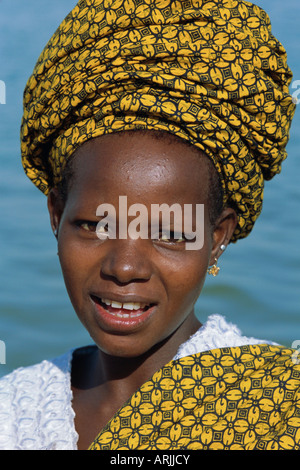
(258, 287)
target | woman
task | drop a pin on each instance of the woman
(165, 103)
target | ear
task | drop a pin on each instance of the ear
(55, 208)
(223, 232)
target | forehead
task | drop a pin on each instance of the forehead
(140, 163)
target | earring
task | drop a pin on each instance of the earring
(214, 270)
(55, 232)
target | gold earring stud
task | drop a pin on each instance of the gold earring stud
(214, 270)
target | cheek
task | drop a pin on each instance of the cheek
(76, 263)
(186, 278)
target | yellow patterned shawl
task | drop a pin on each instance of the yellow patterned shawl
(236, 398)
(208, 71)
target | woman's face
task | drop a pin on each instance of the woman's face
(132, 294)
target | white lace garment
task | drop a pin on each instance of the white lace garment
(36, 402)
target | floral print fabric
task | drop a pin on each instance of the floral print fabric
(235, 398)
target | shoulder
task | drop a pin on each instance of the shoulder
(216, 333)
(251, 393)
(35, 406)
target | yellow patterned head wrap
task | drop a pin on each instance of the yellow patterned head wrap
(208, 71)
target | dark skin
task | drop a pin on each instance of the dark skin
(160, 273)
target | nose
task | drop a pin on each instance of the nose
(127, 260)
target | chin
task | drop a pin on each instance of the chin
(128, 348)
(121, 349)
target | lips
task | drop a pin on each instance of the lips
(122, 315)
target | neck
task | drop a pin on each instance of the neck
(112, 372)
(134, 370)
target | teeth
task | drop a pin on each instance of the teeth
(116, 305)
(125, 306)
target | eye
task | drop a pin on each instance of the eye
(88, 226)
(102, 231)
(170, 237)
